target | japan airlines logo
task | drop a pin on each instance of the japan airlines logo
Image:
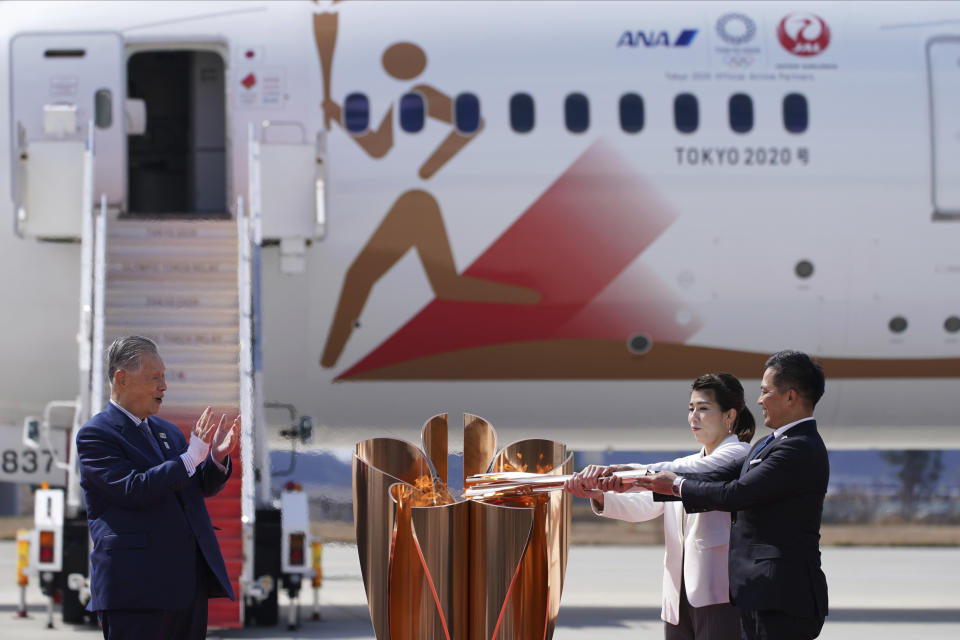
(736, 28)
(803, 34)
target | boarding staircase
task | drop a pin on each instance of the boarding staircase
(182, 284)
(175, 282)
(188, 284)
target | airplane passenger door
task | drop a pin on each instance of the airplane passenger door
(59, 84)
(943, 66)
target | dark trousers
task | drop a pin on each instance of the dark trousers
(161, 624)
(778, 625)
(712, 622)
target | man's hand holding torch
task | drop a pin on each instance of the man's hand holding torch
(589, 482)
(659, 482)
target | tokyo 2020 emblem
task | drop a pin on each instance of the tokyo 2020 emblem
(736, 28)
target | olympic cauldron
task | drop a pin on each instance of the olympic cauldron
(487, 568)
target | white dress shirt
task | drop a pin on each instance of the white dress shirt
(184, 457)
(779, 431)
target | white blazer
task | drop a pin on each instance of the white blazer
(708, 534)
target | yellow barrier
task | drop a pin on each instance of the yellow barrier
(23, 561)
(23, 555)
(317, 577)
(317, 565)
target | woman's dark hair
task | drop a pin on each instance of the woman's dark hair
(728, 393)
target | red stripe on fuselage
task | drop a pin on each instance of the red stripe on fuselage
(570, 245)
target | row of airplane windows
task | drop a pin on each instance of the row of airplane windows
(686, 113)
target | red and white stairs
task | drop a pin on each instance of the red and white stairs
(176, 283)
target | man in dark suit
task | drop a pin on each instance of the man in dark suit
(155, 558)
(775, 497)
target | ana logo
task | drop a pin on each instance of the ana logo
(656, 39)
(736, 28)
(803, 34)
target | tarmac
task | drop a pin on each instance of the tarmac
(610, 592)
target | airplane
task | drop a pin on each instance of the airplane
(554, 216)
(551, 215)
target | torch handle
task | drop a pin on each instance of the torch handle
(325, 34)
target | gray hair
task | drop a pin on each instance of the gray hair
(126, 352)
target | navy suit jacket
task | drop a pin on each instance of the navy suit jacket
(776, 500)
(147, 518)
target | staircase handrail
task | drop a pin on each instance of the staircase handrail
(245, 293)
(86, 344)
(97, 395)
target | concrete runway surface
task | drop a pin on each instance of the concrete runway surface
(610, 593)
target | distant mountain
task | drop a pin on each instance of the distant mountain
(310, 468)
(853, 467)
(862, 467)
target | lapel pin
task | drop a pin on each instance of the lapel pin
(162, 435)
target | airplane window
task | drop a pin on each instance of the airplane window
(577, 112)
(356, 113)
(952, 324)
(631, 112)
(521, 112)
(103, 109)
(639, 344)
(741, 112)
(686, 113)
(898, 324)
(411, 112)
(466, 112)
(795, 116)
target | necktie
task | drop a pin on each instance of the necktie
(763, 443)
(152, 438)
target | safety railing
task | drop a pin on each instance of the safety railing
(254, 193)
(91, 317)
(245, 293)
(99, 313)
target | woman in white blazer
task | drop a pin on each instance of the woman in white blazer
(696, 597)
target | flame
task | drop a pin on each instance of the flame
(521, 466)
(429, 491)
(426, 491)
(509, 466)
(543, 467)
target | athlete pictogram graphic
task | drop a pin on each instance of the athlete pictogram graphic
(415, 220)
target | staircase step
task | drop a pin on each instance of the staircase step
(225, 507)
(230, 528)
(195, 269)
(222, 613)
(226, 245)
(178, 336)
(200, 373)
(179, 396)
(169, 230)
(170, 286)
(171, 298)
(175, 356)
(234, 567)
(160, 253)
(186, 416)
(232, 490)
(167, 317)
